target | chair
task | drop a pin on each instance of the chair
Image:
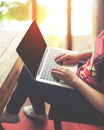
(57, 116)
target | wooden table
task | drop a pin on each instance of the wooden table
(10, 64)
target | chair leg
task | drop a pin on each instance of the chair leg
(1, 127)
(57, 125)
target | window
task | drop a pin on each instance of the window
(52, 19)
(54, 23)
(81, 17)
(82, 24)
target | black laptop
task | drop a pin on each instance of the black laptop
(39, 58)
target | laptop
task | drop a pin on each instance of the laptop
(39, 58)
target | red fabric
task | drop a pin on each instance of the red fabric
(86, 73)
(99, 44)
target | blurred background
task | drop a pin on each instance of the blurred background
(71, 24)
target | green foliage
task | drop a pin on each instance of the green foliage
(42, 14)
(13, 10)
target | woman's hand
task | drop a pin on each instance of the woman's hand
(67, 59)
(64, 74)
(95, 97)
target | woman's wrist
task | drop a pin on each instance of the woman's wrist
(75, 80)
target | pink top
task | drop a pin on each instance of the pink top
(87, 72)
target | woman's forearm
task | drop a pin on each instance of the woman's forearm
(95, 97)
(85, 55)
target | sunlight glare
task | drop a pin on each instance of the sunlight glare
(55, 21)
(22, 1)
(81, 17)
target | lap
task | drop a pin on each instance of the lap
(68, 100)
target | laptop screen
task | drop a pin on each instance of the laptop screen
(31, 48)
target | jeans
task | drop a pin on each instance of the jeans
(66, 100)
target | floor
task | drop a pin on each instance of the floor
(26, 124)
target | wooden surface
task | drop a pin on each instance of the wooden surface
(10, 63)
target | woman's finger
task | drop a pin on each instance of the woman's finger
(61, 58)
(58, 71)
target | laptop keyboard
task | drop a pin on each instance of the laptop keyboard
(50, 63)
